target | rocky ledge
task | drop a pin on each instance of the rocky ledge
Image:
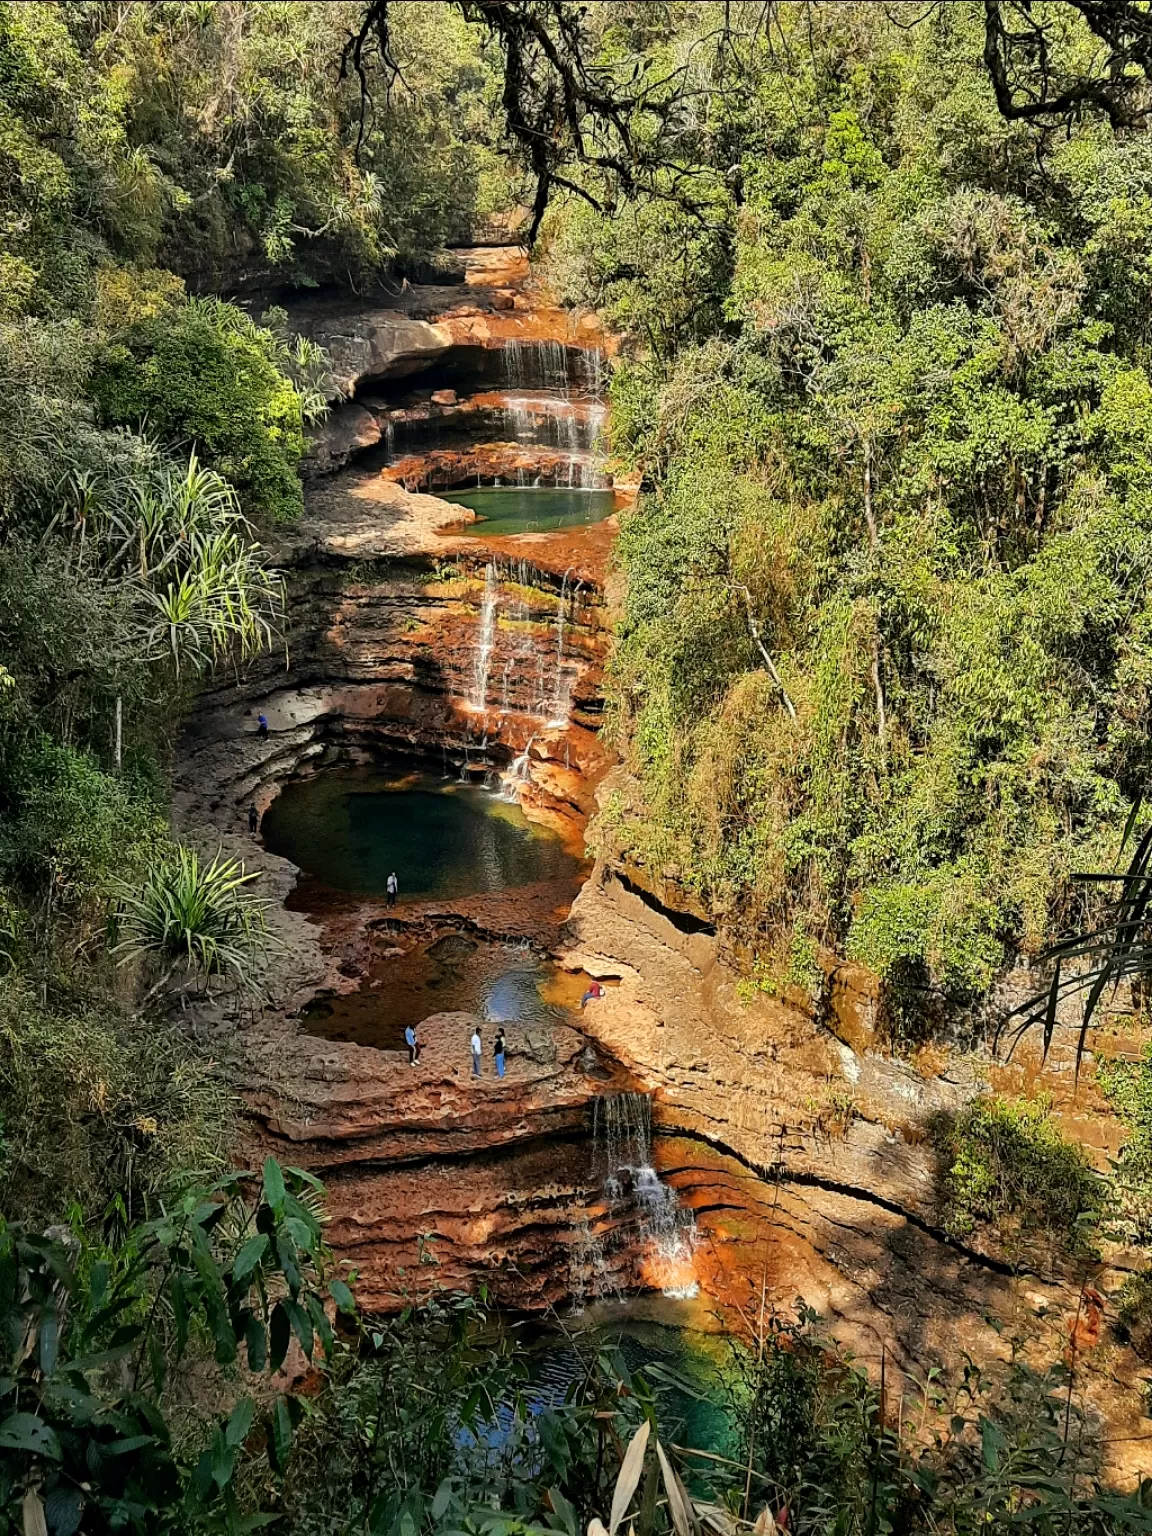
(810, 1165)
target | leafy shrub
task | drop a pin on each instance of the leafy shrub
(1004, 1164)
(205, 375)
(73, 831)
(92, 1448)
(97, 1107)
(1128, 1087)
(1134, 1313)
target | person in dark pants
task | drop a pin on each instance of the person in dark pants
(392, 885)
(476, 1049)
(261, 725)
(413, 1046)
(253, 819)
(498, 1051)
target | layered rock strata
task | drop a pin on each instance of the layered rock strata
(806, 1152)
(802, 1147)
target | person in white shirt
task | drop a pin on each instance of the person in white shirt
(392, 885)
(476, 1048)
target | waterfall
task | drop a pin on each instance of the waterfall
(559, 700)
(515, 774)
(565, 681)
(479, 696)
(535, 365)
(622, 1164)
(592, 368)
(504, 677)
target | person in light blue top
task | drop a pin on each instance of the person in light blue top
(413, 1046)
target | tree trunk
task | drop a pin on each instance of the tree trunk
(754, 628)
(878, 688)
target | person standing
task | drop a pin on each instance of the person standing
(253, 820)
(261, 725)
(413, 1045)
(477, 1047)
(498, 1051)
(392, 885)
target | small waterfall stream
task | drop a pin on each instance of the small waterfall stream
(640, 1208)
(562, 692)
(479, 696)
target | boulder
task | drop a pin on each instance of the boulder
(364, 342)
(347, 430)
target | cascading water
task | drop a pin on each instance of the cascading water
(478, 698)
(516, 774)
(639, 1204)
(562, 690)
(536, 365)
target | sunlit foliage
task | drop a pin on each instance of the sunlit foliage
(902, 433)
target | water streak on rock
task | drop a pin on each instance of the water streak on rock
(479, 696)
(642, 1208)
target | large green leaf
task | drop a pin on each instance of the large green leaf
(25, 1432)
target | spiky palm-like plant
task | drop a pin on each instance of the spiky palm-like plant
(197, 915)
(222, 602)
(1091, 963)
(177, 537)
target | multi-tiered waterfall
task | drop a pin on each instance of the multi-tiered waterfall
(552, 402)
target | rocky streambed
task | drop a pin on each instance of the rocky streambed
(673, 1135)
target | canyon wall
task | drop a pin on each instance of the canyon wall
(800, 1144)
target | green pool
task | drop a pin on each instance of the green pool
(441, 837)
(509, 509)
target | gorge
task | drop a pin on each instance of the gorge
(575, 731)
(439, 716)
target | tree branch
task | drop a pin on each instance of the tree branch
(754, 629)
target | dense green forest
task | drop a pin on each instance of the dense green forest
(882, 682)
(884, 677)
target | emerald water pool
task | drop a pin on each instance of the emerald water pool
(687, 1370)
(530, 509)
(441, 837)
(684, 1368)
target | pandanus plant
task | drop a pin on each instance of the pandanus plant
(689, 1517)
(1092, 963)
(177, 537)
(193, 914)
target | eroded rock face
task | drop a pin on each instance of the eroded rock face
(801, 1145)
(808, 1160)
(348, 430)
(384, 655)
(396, 334)
(473, 1174)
